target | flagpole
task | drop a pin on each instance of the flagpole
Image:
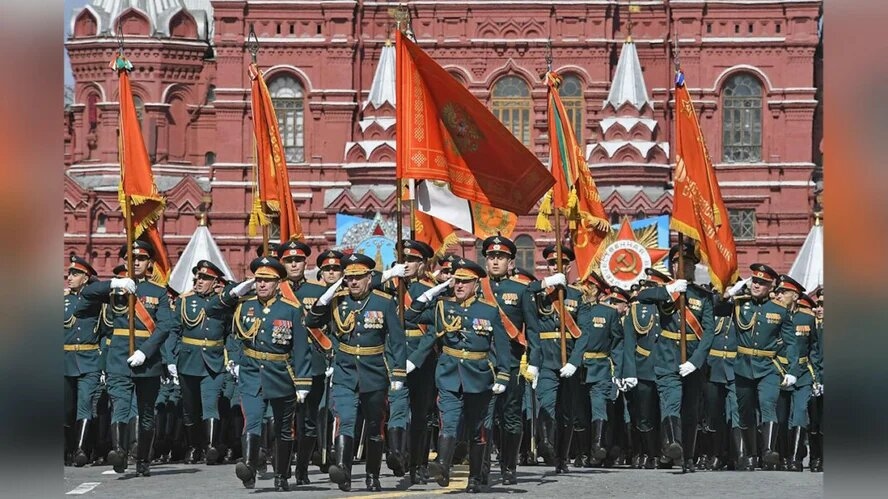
(399, 249)
(560, 268)
(682, 298)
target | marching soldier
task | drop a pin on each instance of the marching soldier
(141, 371)
(473, 341)
(642, 329)
(518, 316)
(82, 361)
(815, 406)
(600, 350)
(329, 266)
(295, 288)
(679, 384)
(361, 320)
(273, 363)
(415, 400)
(805, 326)
(555, 393)
(764, 331)
(619, 429)
(200, 364)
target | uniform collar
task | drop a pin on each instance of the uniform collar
(269, 302)
(468, 301)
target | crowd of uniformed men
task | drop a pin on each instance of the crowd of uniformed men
(282, 373)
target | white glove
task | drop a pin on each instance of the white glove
(124, 283)
(102, 378)
(236, 371)
(396, 385)
(174, 371)
(686, 368)
(733, 290)
(327, 297)
(567, 370)
(554, 280)
(534, 373)
(328, 372)
(243, 288)
(788, 380)
(630, 383)
(431, 293)
(678, 285)
(137, 359)
(410, 367)
(817, 389)
(533, 384)
(300, 395)
(498, 388)
(398, 270)
(176, 380)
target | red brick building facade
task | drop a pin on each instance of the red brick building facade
(750, 67)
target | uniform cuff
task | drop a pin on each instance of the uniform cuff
(302, 383)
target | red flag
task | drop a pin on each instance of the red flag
(574, 192)
(273, 178)
(444, 133)
(437, 233)
(699, 210)
(136, 178)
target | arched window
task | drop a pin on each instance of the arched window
(209, 158)
(571, 92)
(140, 108)
(511, 104)
(742, 120)
(287, 96)
(92, 111)
(640, 215)
(524, 254)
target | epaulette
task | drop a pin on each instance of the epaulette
(520, 280)
(743, 297)
(428, 282)
(291, 302)
(382, 294)
(344, 291)
(775, 302)
(484, 301)
(609, 305)
(806, 312)
(149, 281)
(187, 293)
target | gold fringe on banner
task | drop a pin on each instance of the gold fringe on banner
(542, 222)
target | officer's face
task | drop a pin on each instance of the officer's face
(759, 289)
(358, 285)
(331, 274)
(295, 266)
(553, 266)
(414, 266)
(462, 290)
(444, 274)
(140, 265)
(498, 264)
(622, 306)
(788, 297)
(203, 284)
(218, 286)
(818, 310)
(689, 267)
(76, 279)
(266, 287)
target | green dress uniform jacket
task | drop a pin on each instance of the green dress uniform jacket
(274, 354)
(804, 324)
(667, 353)
(156, 303)
(816, 356)
(723, 352)
(600, 347)
(307, 293)
(473, 339)
(764, 331)
(360, 329)
(200, 339)
(516, 300)
(545, 350)
(82, 335)
(641, 330)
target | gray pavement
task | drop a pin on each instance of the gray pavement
(219, 482)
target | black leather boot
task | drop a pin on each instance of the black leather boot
(485, 460)
(546, 442)
(689, 444)
(476, 461)
(417, 444)
(746, 450)
(651, 450)
(816, 462)
(283, 453)
(340, 472)
(246, 469)
(672, 448)
(266, 441)
(440, 467)
(511, 447)
(143, 454)
(562, 448)
(703, 449)
(394, 458)
(717, 450)
(797, 449)
(194, 435)
(581, 441)
(117, 457)
(373, 463)
(598, 450)
(304, 450)
(213, 429)
(770, 456)
(81, 427)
